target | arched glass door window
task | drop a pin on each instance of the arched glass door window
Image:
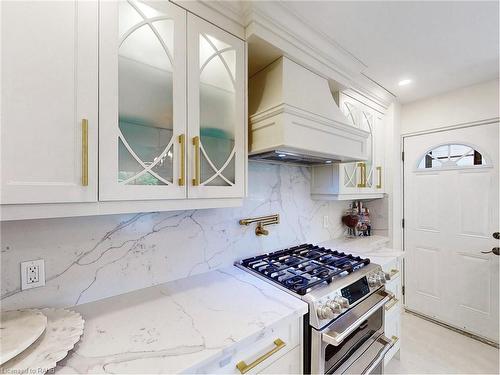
(146, 113)
(452, 155)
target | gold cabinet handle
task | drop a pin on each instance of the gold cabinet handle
(391, 304)
(196, 144)
(362, 172)
(244, 368)
(379, 172)
(364, 175)
(394, 340)
(393, 273)
(182, 151)
(85, 152)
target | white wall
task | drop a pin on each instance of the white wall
(393, 174)
(468, 104)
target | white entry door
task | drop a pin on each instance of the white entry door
(451, 212)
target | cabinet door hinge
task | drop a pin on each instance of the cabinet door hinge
(402, 156)
(402, 223)
(403, 290)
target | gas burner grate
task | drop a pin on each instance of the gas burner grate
(302, 268)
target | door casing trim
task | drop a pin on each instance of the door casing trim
(488, 121)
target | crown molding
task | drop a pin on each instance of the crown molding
(276, 23)
(224, 14)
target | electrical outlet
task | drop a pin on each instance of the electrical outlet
(325, 221)
(32, 274)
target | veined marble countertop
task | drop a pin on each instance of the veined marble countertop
(373, 247)
(177, 326)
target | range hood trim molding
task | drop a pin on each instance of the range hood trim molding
(298, 112)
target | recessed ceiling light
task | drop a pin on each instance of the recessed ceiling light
(404, 82)
(281, 155)
(328, 161)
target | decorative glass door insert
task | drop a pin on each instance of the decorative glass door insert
(149, 115)
(145, 81)
(217, 111)
(367, 123)
(216, 98)
(362, 174)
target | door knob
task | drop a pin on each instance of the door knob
(496, 235)
(495, 250)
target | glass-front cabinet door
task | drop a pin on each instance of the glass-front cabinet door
(366, 176)
(216, 116)
(142, 123)
(352, 175)
(367, 122)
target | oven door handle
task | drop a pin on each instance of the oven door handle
(335, 338)
(388, 344)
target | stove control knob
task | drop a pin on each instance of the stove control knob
(343, 302)
(373, 281)
(334, 306)
(324, 312)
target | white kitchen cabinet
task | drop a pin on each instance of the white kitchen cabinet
(49, 101)
(290, 363)
(392, 317)
(216, 111)
(276, 349)
(164, 110)
(155, 144)
(142, 104)
(360, 180)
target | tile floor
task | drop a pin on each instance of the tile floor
(428, 348)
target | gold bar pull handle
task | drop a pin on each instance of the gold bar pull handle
(244, 368)
(196, 144)
(364, 175)
(379, 172)
(392, 274)
(391, 304)
(85, 152)
(361, 178)
(182, 152)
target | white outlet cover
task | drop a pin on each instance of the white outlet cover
(40, 264)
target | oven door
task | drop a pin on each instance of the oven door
(368, 359)
(354, 343)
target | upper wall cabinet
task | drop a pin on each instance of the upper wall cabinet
(142, 109)
(49, 101)
(361, 180)
(167, 88)
(216, 111)
(153, 143)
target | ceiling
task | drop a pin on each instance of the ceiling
(440, 46)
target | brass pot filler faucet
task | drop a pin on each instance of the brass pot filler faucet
(261, 221)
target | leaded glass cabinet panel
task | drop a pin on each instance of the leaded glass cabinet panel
(143, 100)
(216, 116)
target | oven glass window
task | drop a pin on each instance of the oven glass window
(335, 356)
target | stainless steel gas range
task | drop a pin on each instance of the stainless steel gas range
(344, 329)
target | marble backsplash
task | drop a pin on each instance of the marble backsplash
(90, 258)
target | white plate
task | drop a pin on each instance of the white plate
(18, 330)
(63, 331)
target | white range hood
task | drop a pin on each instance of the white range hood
(293, 118)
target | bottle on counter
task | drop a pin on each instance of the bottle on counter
(363, 228)
(350, 219)
(368, 222)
